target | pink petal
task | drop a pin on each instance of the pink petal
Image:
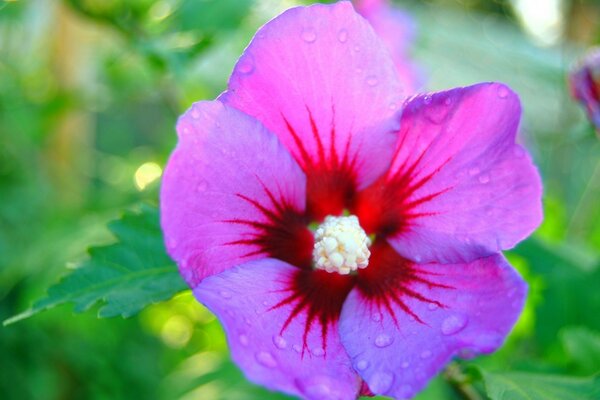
(397, 30)
(462, 310)
(245, 299)
(321, 79)
(231, 193)
(459, 187)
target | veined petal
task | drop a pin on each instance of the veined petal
(398, 345)
(397, 30)
(321, 79)
(231, 193)
(459, 187)
(272, 352)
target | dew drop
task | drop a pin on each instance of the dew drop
(297, 348)
(432, 306)
(381, 382)
(318, 391)
(405, 390)
(376, 317)
(362, 365)
(318, 352)
(418, 258)
(383, 340)
(427, 99)
(425, 354)
(246, 64)
(405, 364)
(518, 151)
(195, 113)
(485, 178)
(453, 324)
(393, 106)
(266, 359)
(359, 70)
(202, 186)
(502, 92)
(243, 340)
(279, 342)
(474, 171)
(225, 294)
(372, 81)
(357, 48)
(309, 35)
(248, 322)
(343, 36)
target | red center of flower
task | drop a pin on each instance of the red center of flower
(315, 296)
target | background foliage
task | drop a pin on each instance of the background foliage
(89, 94)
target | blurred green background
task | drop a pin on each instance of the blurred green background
(89, 94)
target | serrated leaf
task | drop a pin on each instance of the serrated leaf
(126, 276)
(528, 386)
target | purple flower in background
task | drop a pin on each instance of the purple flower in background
(585, 85)
(409, 211)
(397, 30)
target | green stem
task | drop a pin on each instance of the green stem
(461, 382)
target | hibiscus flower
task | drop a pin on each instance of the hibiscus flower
(348, 238)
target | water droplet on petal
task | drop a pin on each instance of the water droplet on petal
(405, 390)
(454, 324)
(376, 316)
(279, 342)
(427, 99)
(309, 35)
(243, 340)
(432, 306)
(518, 151)
(372, 81)
(297, 348)
(484, 178)
(405, 364)
(266, 359)
(502, 92)
(383, 340)
(393, 106)
(225, 294)
(202, 186)
(195, 113)
(246, 64)
(343, 35)
(426, 354)
(474, 171)
(362, 365)
(318, 352)
(357, 48)
(381, 382)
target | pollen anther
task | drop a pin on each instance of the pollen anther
(341, 245)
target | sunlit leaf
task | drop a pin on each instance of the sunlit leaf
(583, 347)
(125, 276)
(527, 386)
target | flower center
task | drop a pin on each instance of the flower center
(341, 245)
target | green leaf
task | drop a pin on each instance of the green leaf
(126, 276)
(528, 386)
(570, 291)
(583, 347)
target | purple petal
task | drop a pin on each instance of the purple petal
(397, 353)
(321, 79)
(245, 299)
(585, 85)
(459, 187)
(231, 193)
(397, 29)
